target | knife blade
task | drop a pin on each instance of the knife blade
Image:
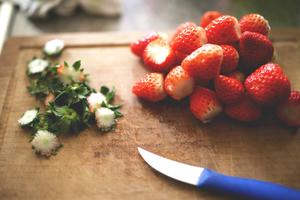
(208, 179)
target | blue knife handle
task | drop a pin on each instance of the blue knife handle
(246, 188)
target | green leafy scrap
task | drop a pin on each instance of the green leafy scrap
(77, 65)
(69, 111)
(109, 96)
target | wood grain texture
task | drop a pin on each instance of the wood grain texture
(92, 165)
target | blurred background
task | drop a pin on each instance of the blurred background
(35, 17)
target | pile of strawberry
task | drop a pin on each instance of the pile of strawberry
(222, 65)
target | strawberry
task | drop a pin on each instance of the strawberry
(204, 104)
(150, 87)
(205, 62)
(255, 23)
(268, 85)
(178, 83)
(180, 55)
(181, 27)
(237, 75)
(209, 16)
(244, 110)
(158, 56)
(188, 39)
(138, 47)
(223, 30)
(289, 110)
(229, 90)
(230, 59)
(255, 50)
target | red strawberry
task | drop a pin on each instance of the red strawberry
(181, 27)
(188, 39)
(237, 75)
(255, 23)
(158, 56)
(178, 83)
(268, 85)
(289, 111)
(180, 55)
(244, 110)
(255, 49)
(223, 30)
(209, 16)
(138, 47)
(230, 59)
(229, 90)
(204, 104)
(205, 62)
(150, 87)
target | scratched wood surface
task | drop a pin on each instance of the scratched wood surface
(92, 165)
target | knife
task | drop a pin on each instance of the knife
(208, 179)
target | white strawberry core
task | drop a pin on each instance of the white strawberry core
(54, 46)
(105, 118)
(159, 54)
(95, 100)
(45, 142)
(28, 117)
(182, 88)
(37, 65)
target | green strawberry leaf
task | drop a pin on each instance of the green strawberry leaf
(77, 65)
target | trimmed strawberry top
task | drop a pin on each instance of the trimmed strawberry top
(223, 30)
(268, 85)
(150, 87)
(205, 62)
(137, 48)
(189, 39)
(158, 56)
(209, 16)
(255, 23)
(229, 90)
(178, 83)
(204, 104)
(230, 59)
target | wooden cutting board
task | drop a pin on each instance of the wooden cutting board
(92, 165)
